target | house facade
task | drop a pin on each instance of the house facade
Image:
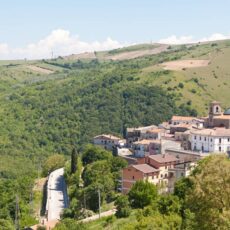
(108, 141)
(157, 169)
(211, 140)
(133, 173)
(136, 134)
(148, 147)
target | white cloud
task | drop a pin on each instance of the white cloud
(215, 37)
(176, 40)
(4, 49)
(60, 42)
(190, 39)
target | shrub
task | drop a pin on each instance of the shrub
(123, 206)
(181, 85)
(142, 193)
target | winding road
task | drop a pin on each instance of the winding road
(57, 198)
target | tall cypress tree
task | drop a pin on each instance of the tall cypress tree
(73, 161)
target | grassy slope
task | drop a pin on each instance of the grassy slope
(40, 114)
(213, 81)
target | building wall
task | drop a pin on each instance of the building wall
(221, 123)
(107, 144)
(210, 144)
(140, 150)
(130, 175)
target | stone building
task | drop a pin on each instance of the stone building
(216, 117)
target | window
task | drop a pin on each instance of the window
(205, 139)
(161, 175)
(200, 138)
(219, 149)
(211, 139)
(228, 139)
(133, 177)
(182, 174)
(219, 140)
(166, 175)
(195, 137)
(217, 109)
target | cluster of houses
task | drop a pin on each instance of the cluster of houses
(162, 154)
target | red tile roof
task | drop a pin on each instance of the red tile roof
(216, 132)
(145, 168)
(163, 158)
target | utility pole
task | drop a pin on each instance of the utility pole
(31, 199)
(84, 201)
(17, 225)
(99, 202)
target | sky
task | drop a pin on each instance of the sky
(35, 29)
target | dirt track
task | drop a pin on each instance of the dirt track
(183, 64)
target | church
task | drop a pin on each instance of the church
(216, 117)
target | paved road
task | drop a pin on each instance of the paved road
(57, 198)
(103, 214)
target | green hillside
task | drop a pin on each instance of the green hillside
(47, 106)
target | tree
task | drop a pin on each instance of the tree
(73, 161)
(98, 176)
(53, 162)
(169, 204)
(209, 198)
(123, 206)
(142, 193)
(98, 171)
(182, 186)
(6, 225)
(95, 153)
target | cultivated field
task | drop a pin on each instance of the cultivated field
(39, 69)
(184, 64)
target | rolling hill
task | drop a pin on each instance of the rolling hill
(47, 106)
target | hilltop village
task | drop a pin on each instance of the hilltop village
(163, 154)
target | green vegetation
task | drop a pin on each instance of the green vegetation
(134, 48)
(46, 114)
(200, 201)
(85, 197)
(142, 194)
(53, 162)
